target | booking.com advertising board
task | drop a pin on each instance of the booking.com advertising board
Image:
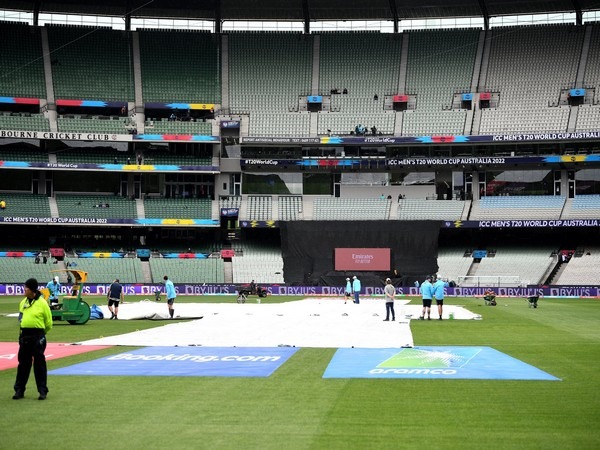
(322, 291)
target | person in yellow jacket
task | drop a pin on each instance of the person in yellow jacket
(35, 320)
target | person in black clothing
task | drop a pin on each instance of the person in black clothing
(115, 295)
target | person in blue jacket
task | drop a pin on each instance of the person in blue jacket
(426, 290)
(171, 294)
(348, 290)
(438, 293)
(356, 287)
(54, 288)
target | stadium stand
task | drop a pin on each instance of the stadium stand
(582, 207)
(17, 82)
(588, 118)
(178, 208)
(91, 156)
(530, 264)
(260, 262)
(260, 207)
(592, 68)
(417, 209)
(12, 270)
(165, 126)
(25, 205)
(332, 208)
(529, 66)
(209, 270)
(91, 63)
(180, 66)
(230, 201)
(94, 124)
(290, 207)
(518, 207)
(105, 270)
(15, 152)
(94, 206)
(582, 270)
(452, 263)
(267, 74)
(347, 62)
(169, 156)
(451, 52)
(24, 122)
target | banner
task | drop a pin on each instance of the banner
(415, 140)
(104, 137)
(558, 223)
(230, 124)
(91, 104)
(20, 100)
(230, 212)
(335, 292)
(96, 221)
(362, 259)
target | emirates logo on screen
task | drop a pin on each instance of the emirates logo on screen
(362, 259)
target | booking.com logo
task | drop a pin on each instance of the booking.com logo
(193, 358)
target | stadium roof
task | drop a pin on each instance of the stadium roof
(301, 10)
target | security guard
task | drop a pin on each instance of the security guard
(36, 320)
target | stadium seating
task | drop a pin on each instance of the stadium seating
(518, 207)
(452, 263)
(230, 201)
(163, 156)
(431, 53)
(260, 262)
(267, 74)
(180, 66)
(17, 270)
(260, 207)
(91, 206)
(290, 207)
(332, 208)
(588, 118)
(178, 208)
(417, 209)
(91, 63)
(22, 153)
(106, 270)
(165, 126)
(529, 66)
(210, 270)
(582, 270)
(17, 82)
(91, 156)
(94, 124)
(346, 63)
(25, 205)
(592, 68)
(582, 207)
(529, 264)
(24, 122)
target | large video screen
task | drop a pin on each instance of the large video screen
(362, 259)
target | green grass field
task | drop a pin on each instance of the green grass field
(296, 408)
